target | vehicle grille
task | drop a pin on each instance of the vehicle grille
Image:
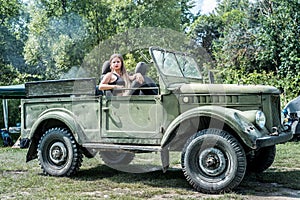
(275, 106)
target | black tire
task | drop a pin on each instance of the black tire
(213, 161)
(58, 153)
(262, 159)
(116, 158)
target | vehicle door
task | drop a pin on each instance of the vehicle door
(135, 119)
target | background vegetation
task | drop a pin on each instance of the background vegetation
(248, 41)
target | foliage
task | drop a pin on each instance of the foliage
(12, 64)
(278, 36)
(10, 48)
(258, 40)
(62, 33)
(205, 30)
(56, 43)
(60, 46)
(8, 10)
(12, 34)
(171, 14)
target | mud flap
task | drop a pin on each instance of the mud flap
(165, 159)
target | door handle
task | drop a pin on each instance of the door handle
(105, 109)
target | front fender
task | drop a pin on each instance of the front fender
(235, 119)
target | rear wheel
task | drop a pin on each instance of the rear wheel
(58, 153)
(213, 161)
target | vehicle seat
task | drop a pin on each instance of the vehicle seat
(105, 70)
(142, 67)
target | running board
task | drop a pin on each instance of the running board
(118, 147)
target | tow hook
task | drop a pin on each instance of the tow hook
(274, 131)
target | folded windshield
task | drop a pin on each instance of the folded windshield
(178, 67)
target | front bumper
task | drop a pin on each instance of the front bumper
(274, 139)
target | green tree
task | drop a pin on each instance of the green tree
(271, 45)
(279, 35)
(254, 40)
(9, 10)
(205, 30)
(96, 14)
(172, 14)
(63, 32)
(57, 39)
(12, 33)
(264, 38)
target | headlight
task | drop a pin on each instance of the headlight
(260, 119)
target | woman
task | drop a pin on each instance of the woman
(118, 77)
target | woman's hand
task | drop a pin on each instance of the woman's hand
(118, 86)
(139, 78)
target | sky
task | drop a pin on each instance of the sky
(206, 6)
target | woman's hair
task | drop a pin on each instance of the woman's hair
(124, 73)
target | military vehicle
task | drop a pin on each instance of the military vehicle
(221, 130)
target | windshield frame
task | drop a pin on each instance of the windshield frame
(176, 73)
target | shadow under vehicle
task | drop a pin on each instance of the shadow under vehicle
(220, 130)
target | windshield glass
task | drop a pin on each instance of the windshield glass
(176, 64)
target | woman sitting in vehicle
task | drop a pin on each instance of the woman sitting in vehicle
(118, 77)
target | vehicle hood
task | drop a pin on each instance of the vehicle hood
(227, 88)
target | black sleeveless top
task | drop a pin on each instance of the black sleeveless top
(118, 81)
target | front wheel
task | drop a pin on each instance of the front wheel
(58, 153)
(213, 161)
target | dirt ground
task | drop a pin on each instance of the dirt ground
(253, 189)
(281, 193)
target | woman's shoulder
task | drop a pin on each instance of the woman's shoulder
(107, 77)
(109, 74)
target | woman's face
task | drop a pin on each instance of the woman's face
(116, 63)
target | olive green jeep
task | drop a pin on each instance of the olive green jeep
(220, 130)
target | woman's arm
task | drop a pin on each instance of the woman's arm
(104, 83)
(138, 77)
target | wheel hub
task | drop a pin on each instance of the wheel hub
(212, 161)
(58, 153)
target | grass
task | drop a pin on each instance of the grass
(21, 180)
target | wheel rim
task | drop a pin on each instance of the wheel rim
(58, 153)
(212, 161)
